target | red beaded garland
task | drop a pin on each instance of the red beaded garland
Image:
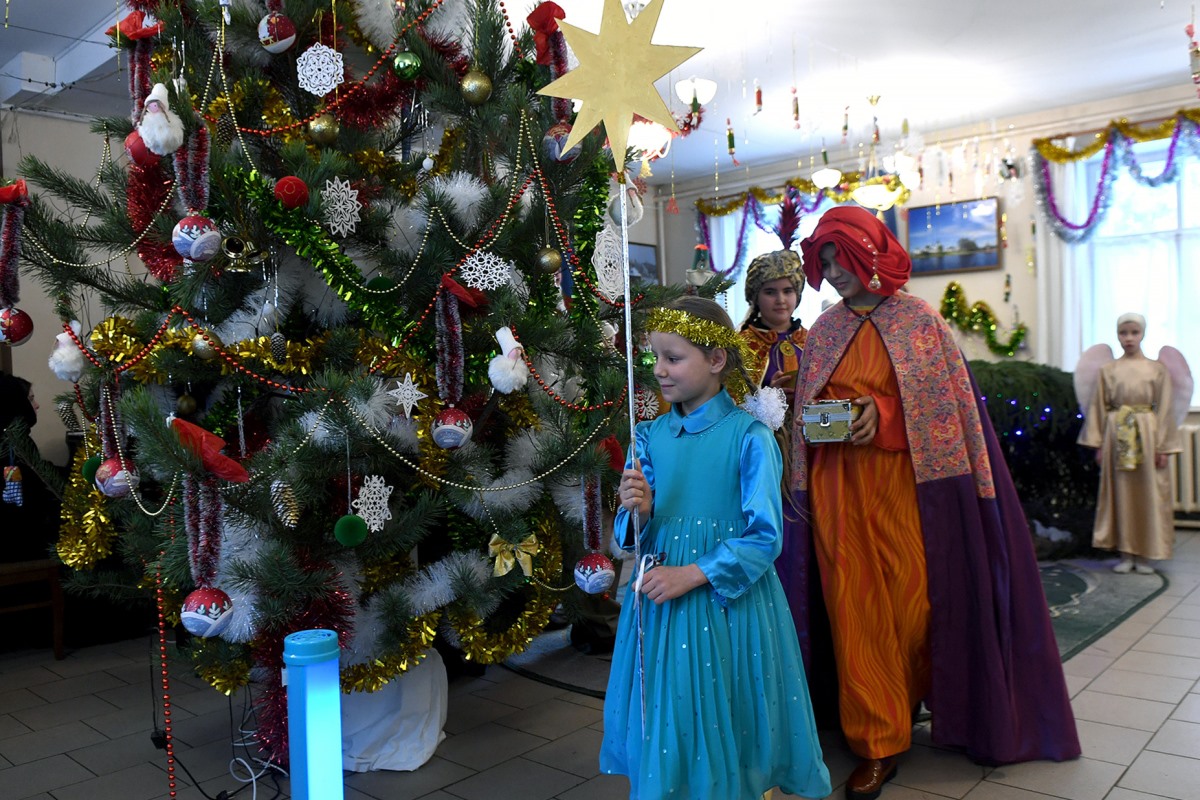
(329, 108)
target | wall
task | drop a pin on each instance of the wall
(677, 236)
(69, 145)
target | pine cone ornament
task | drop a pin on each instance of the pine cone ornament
(225, 131)
(283, 500)
(278, 347)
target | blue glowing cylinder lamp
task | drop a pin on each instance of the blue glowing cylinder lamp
(314, 714)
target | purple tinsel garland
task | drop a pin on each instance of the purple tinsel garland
(751, 208)
(1120, 146)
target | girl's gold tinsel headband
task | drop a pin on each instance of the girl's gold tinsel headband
(706, 333)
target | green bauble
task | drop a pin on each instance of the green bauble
(89, 468)
(406, 65)
(476, 87)
(350, 530)
(646, 358)
(381, 283)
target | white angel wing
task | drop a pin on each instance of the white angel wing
(1087, 372)
(1181, 382)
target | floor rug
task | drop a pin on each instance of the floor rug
(1087, 599)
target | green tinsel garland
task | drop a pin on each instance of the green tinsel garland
(311, 242)
(979, 319)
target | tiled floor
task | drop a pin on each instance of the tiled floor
(80, 728)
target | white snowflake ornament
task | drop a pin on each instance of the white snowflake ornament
(608, 260)
(372, 502)
(645, 403)
(485, 271)
(320, 70)
(341, 206)
(406, 394)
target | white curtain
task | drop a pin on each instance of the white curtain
(1061, 278)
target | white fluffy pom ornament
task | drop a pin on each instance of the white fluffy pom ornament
(160, 129)
(67, 361)
(768, 405)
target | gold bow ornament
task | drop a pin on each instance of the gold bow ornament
(508, 555)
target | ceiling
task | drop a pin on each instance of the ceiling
(937, 63)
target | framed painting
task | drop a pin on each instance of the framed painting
(954, 237)
(643, 262)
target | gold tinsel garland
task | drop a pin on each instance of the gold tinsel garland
(373, 676)
(276, 114)
(978, 318)
(115, 339)
(87, 531)
(482, 647)
(722, 207)
(1149, 132)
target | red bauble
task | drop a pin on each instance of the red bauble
(276, 32)
(138, 152)
(196, 237)
(15, 326)
(291, 191)
(452, 428)
(206, 612)
(594, 573)
(113, 480)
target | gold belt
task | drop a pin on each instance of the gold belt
(1129, 441)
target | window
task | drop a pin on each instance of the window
(758, 241)
(1145, 257)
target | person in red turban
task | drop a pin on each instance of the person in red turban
(912, 530)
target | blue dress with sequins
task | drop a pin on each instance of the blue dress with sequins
(728, 714)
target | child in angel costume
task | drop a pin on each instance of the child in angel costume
(1134, 406)
(706, 696)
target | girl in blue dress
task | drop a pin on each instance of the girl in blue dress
(706, 644)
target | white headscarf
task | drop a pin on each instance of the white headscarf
(1132, 317)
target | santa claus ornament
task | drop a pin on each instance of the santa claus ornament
(160, 129)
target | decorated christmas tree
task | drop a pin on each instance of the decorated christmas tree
(370, 377)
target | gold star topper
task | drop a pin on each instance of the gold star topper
(615, 77)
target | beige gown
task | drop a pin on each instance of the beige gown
(1133, 512)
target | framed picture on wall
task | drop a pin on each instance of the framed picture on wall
(954, 237)
(643, 262)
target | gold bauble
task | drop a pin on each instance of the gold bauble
(324, 129)
(476, 87)
(205, 349)
(549, 260)
(185, 405)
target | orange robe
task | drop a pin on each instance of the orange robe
(872, 558)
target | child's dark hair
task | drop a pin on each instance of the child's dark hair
(705, 309)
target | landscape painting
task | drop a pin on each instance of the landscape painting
(955, 237)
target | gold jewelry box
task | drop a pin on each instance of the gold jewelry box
(828, 420)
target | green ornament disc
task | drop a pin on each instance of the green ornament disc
(89, 468)
(350, 530)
